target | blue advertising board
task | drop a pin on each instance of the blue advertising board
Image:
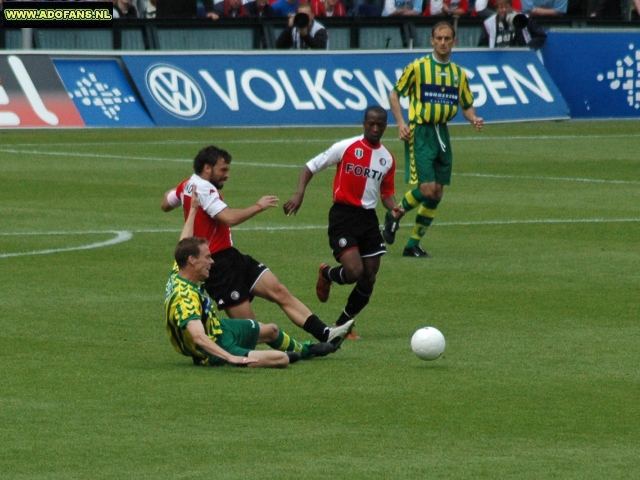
(597, 73)
(101, 93)
(311, 88)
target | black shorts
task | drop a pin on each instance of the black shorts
(355, 227)
(232, 277)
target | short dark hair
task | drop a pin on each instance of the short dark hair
(444, 23)
(188, 247)
(209, 156)
(376, 110)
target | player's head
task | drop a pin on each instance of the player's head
(210, 155)
(374, 123)
(212, 164)
(441, 25)
(443, 39)
(194, 252)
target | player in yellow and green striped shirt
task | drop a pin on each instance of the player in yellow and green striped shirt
(435, 87)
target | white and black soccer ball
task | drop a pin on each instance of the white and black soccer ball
(428, 343)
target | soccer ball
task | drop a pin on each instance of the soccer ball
(428, 343)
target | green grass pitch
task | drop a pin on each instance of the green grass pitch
(534, 281)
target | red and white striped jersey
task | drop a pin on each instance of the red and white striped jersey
(206, 226)
(364, 173)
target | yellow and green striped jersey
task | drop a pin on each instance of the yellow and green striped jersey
(184, 302)
(434, 89)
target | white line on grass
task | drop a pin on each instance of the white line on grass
(283, 165)
(125, 235)
(537, 177)
(323, 140)
(121, 236)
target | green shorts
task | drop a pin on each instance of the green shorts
(239, 337)
(428, 156)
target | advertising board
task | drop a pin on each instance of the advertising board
(310, 88)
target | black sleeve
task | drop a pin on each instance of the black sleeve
(319, 41)
(484, 38)
(208, 5)
(285, 39)
(538, 35)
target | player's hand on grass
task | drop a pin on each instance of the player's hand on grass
(236, 360)
(293, 204)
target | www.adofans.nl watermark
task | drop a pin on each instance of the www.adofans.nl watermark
(57, 15)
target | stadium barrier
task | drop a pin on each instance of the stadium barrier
(266, 88)
(251, 88)
(346, 33)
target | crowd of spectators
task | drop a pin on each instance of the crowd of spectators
(215, 9)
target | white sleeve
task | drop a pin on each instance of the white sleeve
(209, 196)
(212, 203)
(173, 200)
(330, 157)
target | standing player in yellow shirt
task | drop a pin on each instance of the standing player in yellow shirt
(435, 87)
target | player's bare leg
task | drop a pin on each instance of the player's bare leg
(242, 310)
(270, 288)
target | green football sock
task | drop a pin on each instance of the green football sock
(285, 343)
(412, 199)
(424, 218)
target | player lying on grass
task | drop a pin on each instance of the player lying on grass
(194, 329)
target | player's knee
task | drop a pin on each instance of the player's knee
(270, 331)
(279, 294)
(353, 273)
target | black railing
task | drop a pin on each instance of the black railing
(344, 33)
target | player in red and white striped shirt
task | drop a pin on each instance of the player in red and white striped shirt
(365, 171)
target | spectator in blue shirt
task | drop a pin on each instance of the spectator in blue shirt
(285, 8)
(544, 8)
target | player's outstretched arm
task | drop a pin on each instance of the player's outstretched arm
(235, 216)
(470, 115)
(294, 203)
(201, 339)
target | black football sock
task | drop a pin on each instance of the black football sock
(317, 328)
(334, 274)
(355, 303)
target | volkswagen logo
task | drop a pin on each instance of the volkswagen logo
(176, 92)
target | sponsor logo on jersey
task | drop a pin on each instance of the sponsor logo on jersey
(176, 92)
(361, 171)
(383, 162)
